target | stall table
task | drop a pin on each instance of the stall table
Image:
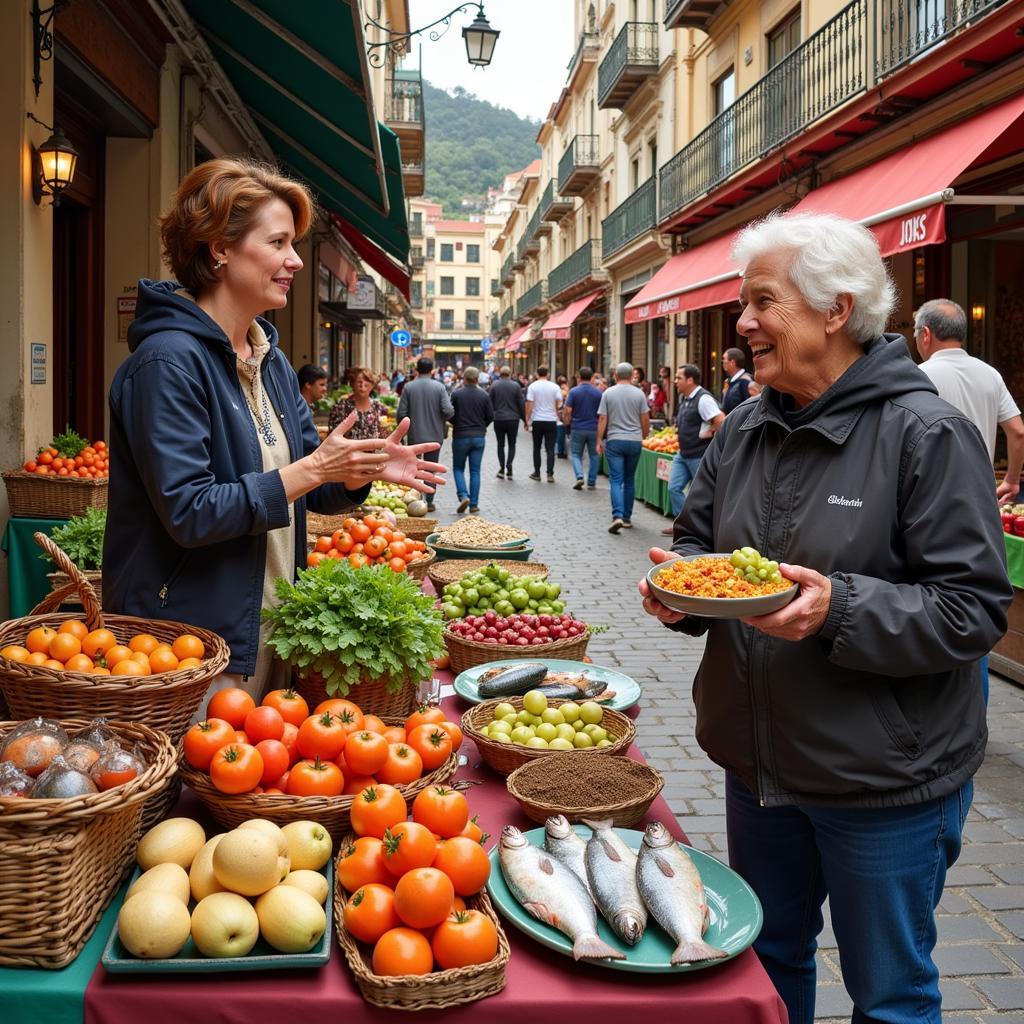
(1007, 657)
(27, 584)
(651, 480)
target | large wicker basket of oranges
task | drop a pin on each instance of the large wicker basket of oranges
(92, 665)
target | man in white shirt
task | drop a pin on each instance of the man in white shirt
(543, 404)
(736, 389)
(970, 385)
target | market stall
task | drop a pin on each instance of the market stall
(651, 480)
(1007, 657)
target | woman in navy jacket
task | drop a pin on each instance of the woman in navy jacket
(214, 455)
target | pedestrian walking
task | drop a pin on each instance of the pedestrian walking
(850, 722)
(561, 430)
(623, 421)
(509, 411)
(580, 414)
(543, 404)
(696, 422)
(427, 404)
(473, 414)
(736, 388)
(312, 384)
(370, 411)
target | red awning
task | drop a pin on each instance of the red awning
(559, 326)
(514, 342)
(902, 197)
(702, 276)
(376, 257)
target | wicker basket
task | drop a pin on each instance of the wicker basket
(330, 811)
(372, 696)
(419, 568)
(467, 653)
(435, 991)
(59, 580)
(620, 773)
(61, 861)
(417, 527)
(452, 570)
(505, 758)
(52, 497)
(166, 701)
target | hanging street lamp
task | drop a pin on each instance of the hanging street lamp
(479, 37)
(53, 164)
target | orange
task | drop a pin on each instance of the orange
(75, 628)
(37, 658)
(79, 663)
(53, 663)
(163, 660)
(14, 652)
(128, 667)
(144, 642)
(39, 639)
(143, 660)
(116, 654)
(99, 670)
(99, 641)
(188, 646)
(64, 646)
(189, 663)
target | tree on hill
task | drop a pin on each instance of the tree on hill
(471, 146)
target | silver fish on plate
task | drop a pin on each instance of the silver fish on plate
(563, 842)
(611, 870)
(671, 887)
(550, 892)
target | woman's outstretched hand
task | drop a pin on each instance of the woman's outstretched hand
(404, 465)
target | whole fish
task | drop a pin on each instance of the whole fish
(550, 892)
(564, 844)
(671, 887)
(611, 870)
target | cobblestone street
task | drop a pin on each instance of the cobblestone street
(981, 917)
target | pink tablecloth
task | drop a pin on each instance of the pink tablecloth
(543, 987)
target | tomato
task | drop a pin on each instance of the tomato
(79, 663)
(424, 714)
(144, 642)
(323, 545)
(64, 646)
(76, 628)
(236, 768)
(455, 731)
(358, 560)
(371, 723)
(125, 667)
(398, 549)
(355, 784)
(188, 646)
(432, 743)
(474, 831)
(403, 765)
(362, 863)
(375, 547)
(291, 705)
(321, 736)
(370, 912)
(232, 704)
(240, 736)
(291, 734)
(99, 641)
(337, 705)
(465, 862)
(313, 559)
(396, 565)
(315, 778)
(343, 544)
(264, 723)
(408, 845)
(402, 951)
(394, 734)
(465, 937)
(361, 533)
(163, 660)
(276, 760)
(376, 809)
(443, 810)
(204, 739)
(365, 752)
(423, 897)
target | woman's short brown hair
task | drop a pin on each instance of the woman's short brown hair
(218, 201)
(353, 373)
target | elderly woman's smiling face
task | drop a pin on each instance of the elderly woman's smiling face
(792, 350)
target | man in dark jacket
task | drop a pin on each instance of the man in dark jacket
(473, 413)
(509, 411)
(736, 389)
(425, 401)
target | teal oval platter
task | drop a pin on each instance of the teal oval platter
(734, 915)
(627, 690)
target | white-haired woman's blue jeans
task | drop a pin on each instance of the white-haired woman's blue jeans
(882, 869)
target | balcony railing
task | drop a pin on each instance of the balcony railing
(531, 236)
(581, 265)
(416, 261)
(461, 325)
(507, 274)
(415, 228)
(532, 298)
(639, 213)
(579, 165)
(497, 289)
(507, 316)
(692, 13)
(632, 59)
(403, 100)
(588, 47)
(520, 260)
(495, 323)
(815, 78)
(553, 205)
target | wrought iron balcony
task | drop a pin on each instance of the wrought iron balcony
(507, 316)
(579, 167)
(416, 261)
(507, 273)
(413, 179)
(818, 76)
(553, 205)
(692, 13)
(495, 323)
(632, 59)
(403, 114)
(497, 288)
(631, 218)
(530, 235)
(532, 299)
(587, 50)
(583, 265)
(415, 227)
(519, 262)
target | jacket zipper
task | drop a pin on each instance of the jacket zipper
(165, 588)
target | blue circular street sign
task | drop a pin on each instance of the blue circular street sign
(485, 344)
(401, 339)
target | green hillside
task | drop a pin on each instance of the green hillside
(471, 146)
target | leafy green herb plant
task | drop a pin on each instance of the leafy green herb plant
(69, 444)
(81, 538)
(349, 625)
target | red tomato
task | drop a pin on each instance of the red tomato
(365, 752)
(443, 810)
(455, 731)
(204, 739)
(236, 768)
(402, 951)
(409, 845)
(361, 863)
(291, 734)
(424, 714)
(432, 743)
(465, 937)
(403, 765)
(232, 704)
(276, 760)
(375, 809)
(370, 912)
(315, 778)
(291, 705)
(423, 896)
(264, 723)
(322, 736)
(465, 862)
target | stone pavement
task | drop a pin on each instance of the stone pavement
(981, 917)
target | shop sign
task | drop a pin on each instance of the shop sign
(125, 315)
(923, 227)
(364, 296)
(649, 310)
(662, 468)
(38, 350)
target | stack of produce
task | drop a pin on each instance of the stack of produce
(69, 460)
(256, 880)
(70, 455)
(369, 541)
(567, 726)
(493, 587)
(665, 441)
(517, 630)
(1013, 519)
(397, 499)
(474, 532)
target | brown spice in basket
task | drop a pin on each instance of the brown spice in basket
(607, 780)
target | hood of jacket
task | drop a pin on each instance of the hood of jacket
(165, 306)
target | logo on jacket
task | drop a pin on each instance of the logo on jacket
(838, 499)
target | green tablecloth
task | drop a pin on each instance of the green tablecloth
(1015, 559)
(27, 584)
(649, 489)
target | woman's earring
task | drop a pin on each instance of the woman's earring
(218, 264)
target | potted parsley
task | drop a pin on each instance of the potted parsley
(81, 539)
(366, 634)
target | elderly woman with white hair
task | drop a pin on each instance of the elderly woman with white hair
(851, 722)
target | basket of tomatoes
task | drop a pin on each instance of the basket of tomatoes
(112, 666)
(373, 541)
(411, 912)
(62, 480)
(280, 762)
